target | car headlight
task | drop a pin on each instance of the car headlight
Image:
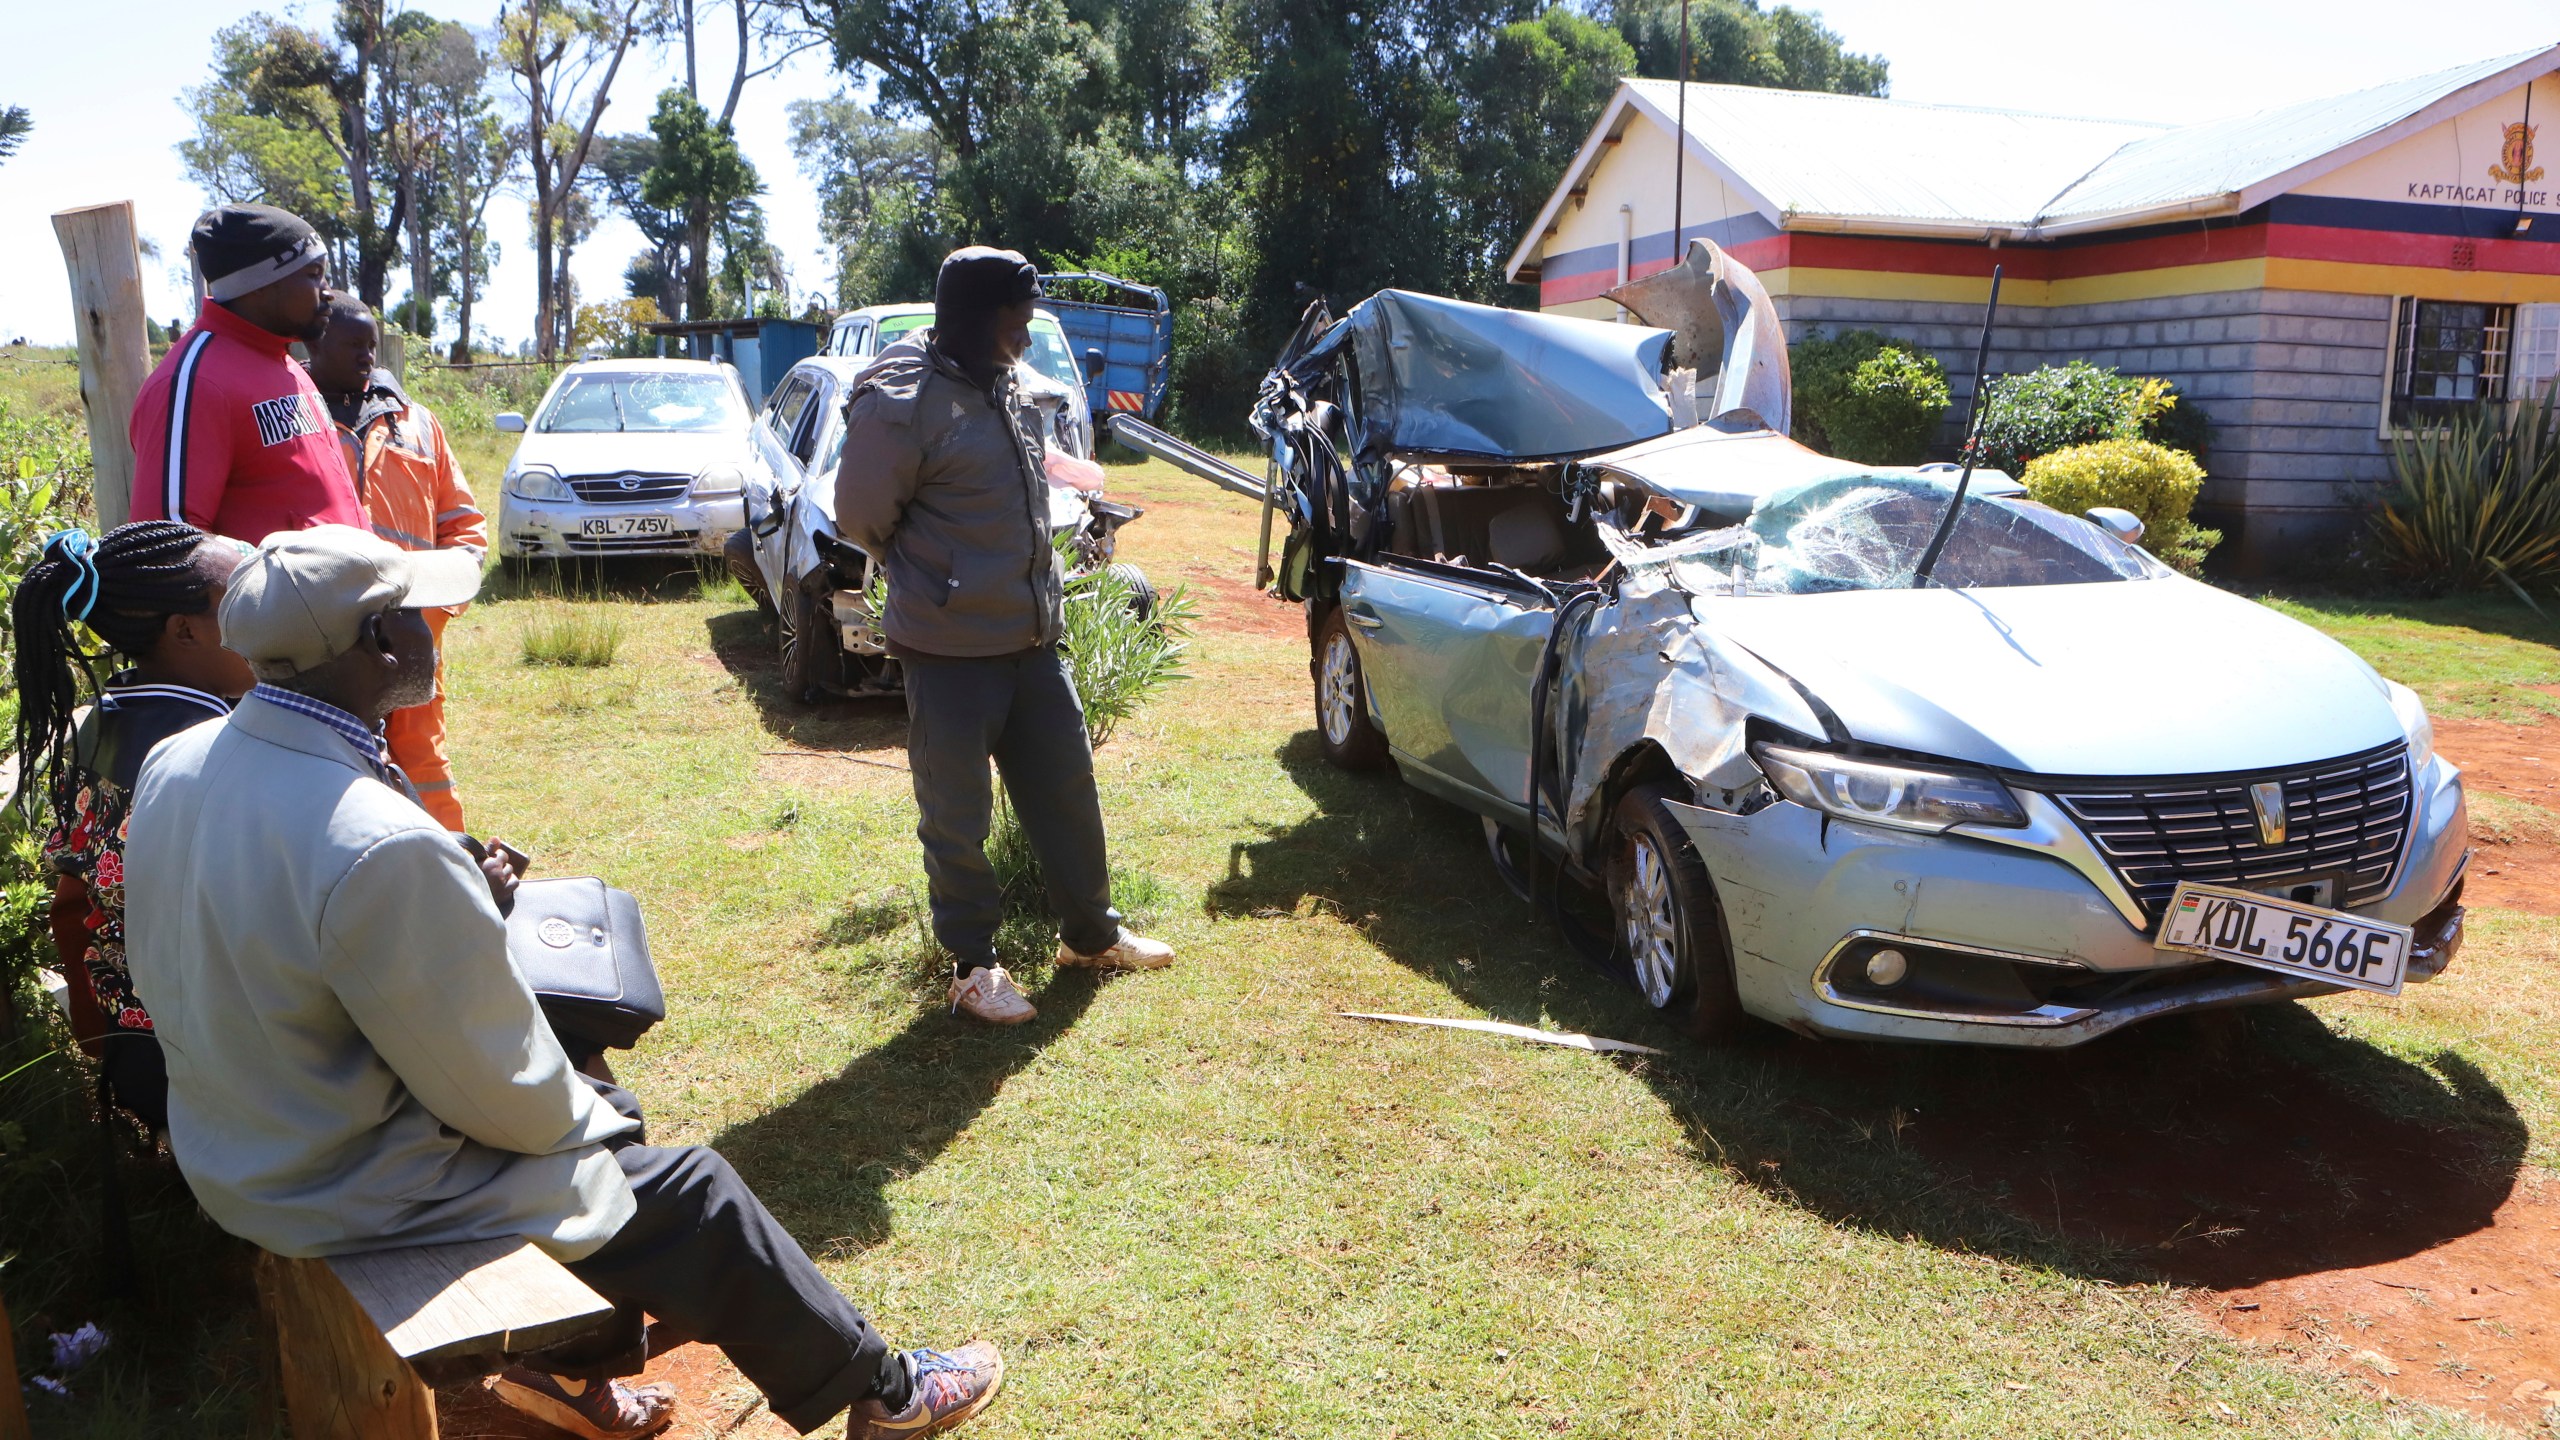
(535, 482)
(2412, 713)
(1886, 792)
(724, 479)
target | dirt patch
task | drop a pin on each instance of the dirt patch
(713, 1402)
(2291, 1202)
(1230, 604)
(2519, 869)
(2472, 1324)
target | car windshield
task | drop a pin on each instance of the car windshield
(898, 325)
(1050, 356)
(626, 401)
(1868, 532)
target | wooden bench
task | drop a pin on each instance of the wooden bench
(351, 1332)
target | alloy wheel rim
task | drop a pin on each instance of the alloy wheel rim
(1652, 922)
(1337, 687)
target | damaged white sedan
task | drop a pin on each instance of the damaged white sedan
(2045, 790)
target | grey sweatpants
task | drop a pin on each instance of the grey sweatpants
(1020, 711)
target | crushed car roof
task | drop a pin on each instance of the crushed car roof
(1441, 377)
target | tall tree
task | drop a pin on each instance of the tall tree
(618, 171)
(282, 97)
(14, 125)
(874, 175)
(473, 158)
(1735, 42)
(563, 56)
(700, 172)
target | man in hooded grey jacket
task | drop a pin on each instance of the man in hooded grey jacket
(943, 485)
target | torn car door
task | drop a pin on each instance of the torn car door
(1449, 654)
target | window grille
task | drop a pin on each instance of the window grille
(2449, 355)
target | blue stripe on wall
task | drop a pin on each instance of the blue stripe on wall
(2479, 222)
(1735, 230)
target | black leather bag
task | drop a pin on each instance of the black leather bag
(583, 949)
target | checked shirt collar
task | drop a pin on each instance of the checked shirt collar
(367, 741)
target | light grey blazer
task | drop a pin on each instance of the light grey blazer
(354, 1062)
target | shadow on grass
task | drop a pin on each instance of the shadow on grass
(2218, 1150)
(743, 641)
(824, 1162)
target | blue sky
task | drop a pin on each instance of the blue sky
(107, 124)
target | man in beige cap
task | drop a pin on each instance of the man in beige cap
(356, 1064)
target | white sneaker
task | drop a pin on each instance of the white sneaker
(1131, 952)
(989, 994)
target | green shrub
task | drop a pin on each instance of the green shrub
(1861, 397)
(2475, 499)
(2155, 482)
(45, 484)
(2060, 406)
(1119, 654)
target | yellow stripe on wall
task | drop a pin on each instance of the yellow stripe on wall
(1808, 280)
(2431, 282)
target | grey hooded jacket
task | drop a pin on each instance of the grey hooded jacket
(944, 488)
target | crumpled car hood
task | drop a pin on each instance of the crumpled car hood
(2149, 677)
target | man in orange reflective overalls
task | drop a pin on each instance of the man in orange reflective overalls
(414, 495)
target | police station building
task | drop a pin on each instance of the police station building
(2312, 277)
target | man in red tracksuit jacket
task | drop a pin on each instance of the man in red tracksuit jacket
(229, 434)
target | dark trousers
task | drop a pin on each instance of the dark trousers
(1020, 711)
(703, 1256)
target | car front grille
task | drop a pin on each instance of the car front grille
(2344, 820)
(631, 487)
(677, 540)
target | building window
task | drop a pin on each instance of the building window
(2537, 351)
(2448, 355)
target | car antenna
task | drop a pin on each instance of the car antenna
(1972, 440)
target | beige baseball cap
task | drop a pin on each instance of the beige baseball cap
(301, 598)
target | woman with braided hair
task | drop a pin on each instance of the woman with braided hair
(148, 591)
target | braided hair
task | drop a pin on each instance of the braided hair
(123, 588)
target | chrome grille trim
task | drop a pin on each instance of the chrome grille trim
(629, 487)
(2347, 818)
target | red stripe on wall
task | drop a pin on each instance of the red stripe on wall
(2399, 247)
(1766, 253)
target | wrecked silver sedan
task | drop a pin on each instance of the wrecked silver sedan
(2053, 790)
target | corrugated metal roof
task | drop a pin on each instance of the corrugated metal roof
(2223, 157)
(1810, 157)
(1843, 155)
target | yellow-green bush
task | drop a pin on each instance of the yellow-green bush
(2153, 481)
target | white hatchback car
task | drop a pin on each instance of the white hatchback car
(628, 457)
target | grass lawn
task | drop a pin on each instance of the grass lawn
(1196, 1203)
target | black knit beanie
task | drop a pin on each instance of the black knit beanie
(978, 280)
(240, 248)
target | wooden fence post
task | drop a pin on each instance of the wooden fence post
(393, 353)
(98, 247)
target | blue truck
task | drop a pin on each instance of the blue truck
(1126, 327)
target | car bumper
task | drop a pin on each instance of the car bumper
(536, 529)
(2031, 951)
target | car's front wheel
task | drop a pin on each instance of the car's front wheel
(1668, 920)
(1342, 699)
(809, 652)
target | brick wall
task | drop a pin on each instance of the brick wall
(2291, 381)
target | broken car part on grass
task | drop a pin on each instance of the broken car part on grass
(1563, 579)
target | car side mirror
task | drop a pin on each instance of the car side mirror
(1093, 363)
(2122, 524)
(510, 422)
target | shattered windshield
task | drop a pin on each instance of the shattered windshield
(1867, 532)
